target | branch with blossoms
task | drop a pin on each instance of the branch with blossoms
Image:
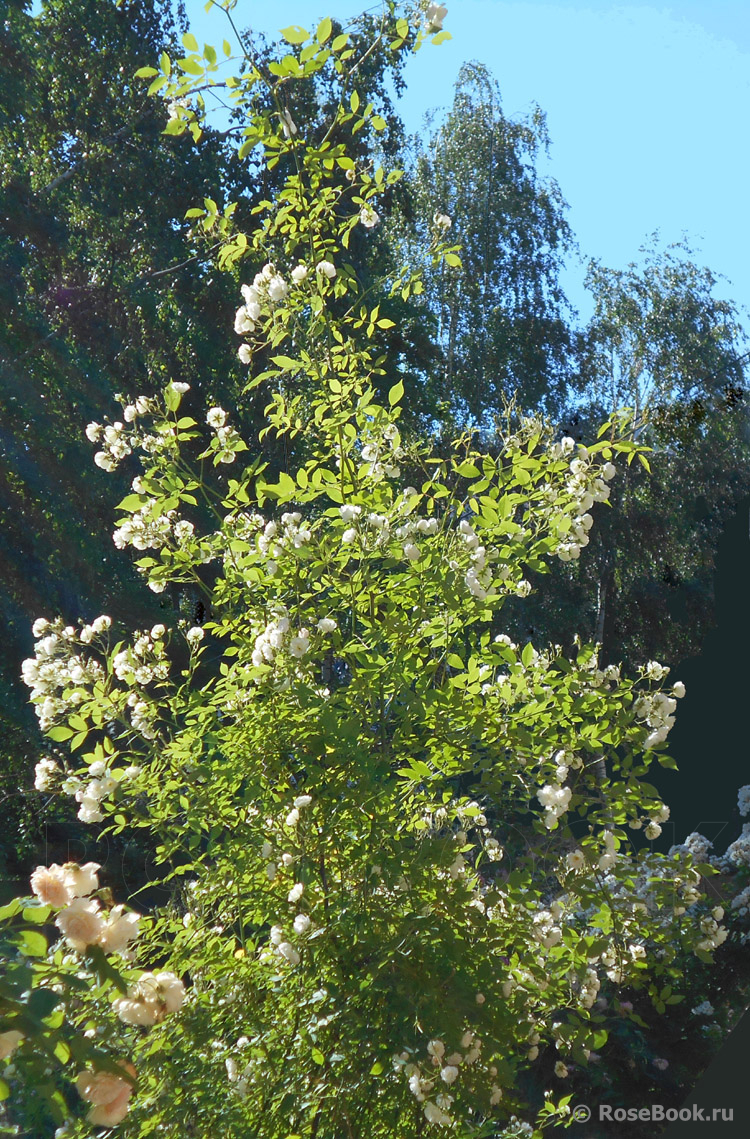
(48, 986)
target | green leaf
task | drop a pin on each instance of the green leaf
(318, 1056)
(340, 42)
(42, 1002)
(396, 393)
(59, 733)
(325, 27)
(190, 66)
(130, 502)
(37, 915)
(146, 72)
(33, 943)
(376, 1069)
(165, 64)
(190, 42)
(287, 363)
(4, 1090)
(354, 101)
(294, 34)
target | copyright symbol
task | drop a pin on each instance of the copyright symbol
(582, 1113)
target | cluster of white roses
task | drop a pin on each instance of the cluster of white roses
(241, 1078)
(478, 577)
(738, 852)
(743, 800)
(443, 1067)
(653, 822)
(587, 484)
(587, 987)
(642, 893)
(57, 675)
(150, 999)
(115, 444)
(89, 796)
(277, 537)
(281, 944)
(147, 528)
(227, 441)
(714, 934)
(555, 799)
(102, 783)
(657, 710)
(544, 925)
(81, 920)
(267, 290)
(279, 636)
(382, 454)
(145, 661)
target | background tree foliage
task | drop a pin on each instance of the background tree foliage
(501, 321)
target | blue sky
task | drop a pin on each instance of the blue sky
(648, 109)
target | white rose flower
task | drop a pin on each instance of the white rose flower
(296, 892)
(277, 289)
(299, 274)
(44, 774)
(287, 950)
(299, 645)
(301, 923)
(326, 269)
(436, 13)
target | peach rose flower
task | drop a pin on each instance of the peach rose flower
(108, 1093)
(9, 1041)
(50, 886)
(81, 880)
(121, 928)
(80, 923)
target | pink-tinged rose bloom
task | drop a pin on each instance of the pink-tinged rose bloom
(133, 1011)
(49, 883)
(172, 990)
(81, 880)
(81, 923)
(9, 1041)
(108, 1093)
(121, 928)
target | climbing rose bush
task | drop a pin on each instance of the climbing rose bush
(396, 840)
